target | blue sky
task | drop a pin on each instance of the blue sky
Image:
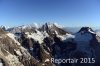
(68, 13)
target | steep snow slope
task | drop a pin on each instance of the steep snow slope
(30, 46)
(36, 36)
(12, 52)
(12, 36)
(64, 37)
(84, 39)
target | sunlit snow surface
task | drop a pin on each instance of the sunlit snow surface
(12, 36)
(39, 36)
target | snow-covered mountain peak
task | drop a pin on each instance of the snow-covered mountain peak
(49, 25)
(29, 46)
(4, 27)
(58, 25)
(86, 30)
(85, 34)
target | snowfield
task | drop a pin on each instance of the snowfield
(12, 36)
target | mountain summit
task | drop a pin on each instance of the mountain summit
(31, 46)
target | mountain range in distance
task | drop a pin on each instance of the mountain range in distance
(69, 29)
(33, 45)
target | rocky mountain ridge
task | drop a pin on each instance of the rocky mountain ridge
(31, 46)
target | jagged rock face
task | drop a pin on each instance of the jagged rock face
(13, 54)
(3, 27)
(35, 47)
(51, 29)
(27, 50)
(85, 29)
(86, 34)
(87, 44)
(2, 31)
(37, 50)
